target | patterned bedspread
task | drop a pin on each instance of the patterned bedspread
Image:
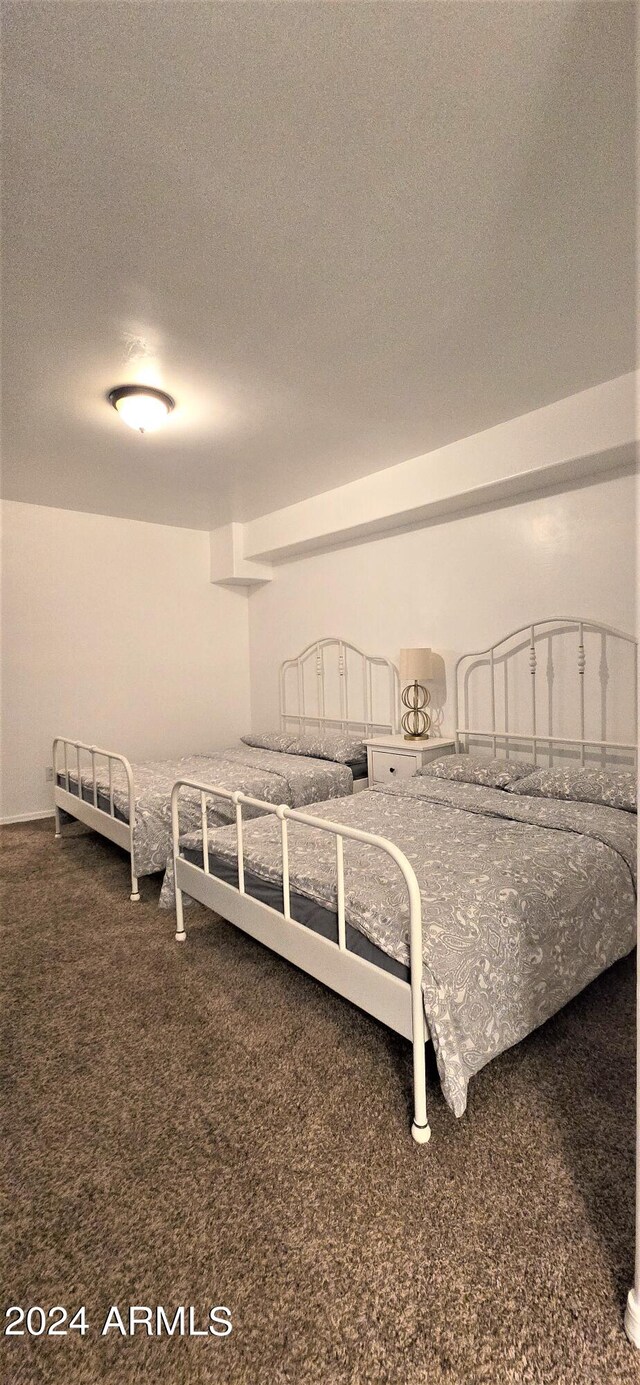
(276, 778)
(524, 901)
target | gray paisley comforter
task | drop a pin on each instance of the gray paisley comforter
(265, 774)
(524, 901)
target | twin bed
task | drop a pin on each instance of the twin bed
(462, 907)
(321, 690)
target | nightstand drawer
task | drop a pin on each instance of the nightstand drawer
(388, 766)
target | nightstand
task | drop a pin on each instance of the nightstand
(390, 758)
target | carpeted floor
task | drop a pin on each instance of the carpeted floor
(203, 1125)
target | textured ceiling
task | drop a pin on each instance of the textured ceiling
(340, 234)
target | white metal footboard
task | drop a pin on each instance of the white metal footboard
(396, 1003)
(101, 819)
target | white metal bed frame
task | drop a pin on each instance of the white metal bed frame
(293, 711)
(305, 717)
(397, 1003)
(90, 813)
(498, 658)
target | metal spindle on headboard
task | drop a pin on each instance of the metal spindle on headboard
(341, 682)
(604, 683)
(493, 702)
(506, 705)
(581, 668)
(635, 677)
(533, 661)
(345, 680)
(301, 696)
(320, 677)
(393, 692)
(550, 697)
(466, 713)
(365, 700)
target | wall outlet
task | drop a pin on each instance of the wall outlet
(48, 774)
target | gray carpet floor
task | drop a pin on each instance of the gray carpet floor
(204, 1125)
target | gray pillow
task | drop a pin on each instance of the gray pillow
(269, 740)
(615, 788)
(339, 746)
(478, 769)
(329, 745)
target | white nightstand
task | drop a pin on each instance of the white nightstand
(390, 758)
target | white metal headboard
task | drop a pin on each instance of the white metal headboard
(587, 683)
(334, 684)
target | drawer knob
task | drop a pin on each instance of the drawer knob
(392, 769)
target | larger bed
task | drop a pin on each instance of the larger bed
(456, 912)
(331, 695)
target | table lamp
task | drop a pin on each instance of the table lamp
(416, 668)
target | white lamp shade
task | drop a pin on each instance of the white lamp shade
(416, 665)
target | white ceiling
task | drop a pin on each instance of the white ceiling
(341, 234)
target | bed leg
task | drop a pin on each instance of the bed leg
(135, 893)
(181, 936)
(420, 1128)
(58, 831)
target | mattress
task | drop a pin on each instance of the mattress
(358, 768)
(103, 801)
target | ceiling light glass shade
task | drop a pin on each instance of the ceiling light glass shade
(141, 407)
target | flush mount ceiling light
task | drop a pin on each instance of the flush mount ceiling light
(141, 406)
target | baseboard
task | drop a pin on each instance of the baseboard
(27, 817)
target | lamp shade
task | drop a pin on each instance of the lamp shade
(416, 665)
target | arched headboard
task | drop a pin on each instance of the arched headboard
(559, 689)
(334, 684)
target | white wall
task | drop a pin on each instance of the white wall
(454, 586)
(112, 633)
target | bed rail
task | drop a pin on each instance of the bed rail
(420, 1127)
(91, 812)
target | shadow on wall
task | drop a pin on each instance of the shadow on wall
(438, 691)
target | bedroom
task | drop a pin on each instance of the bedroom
(381, 259)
